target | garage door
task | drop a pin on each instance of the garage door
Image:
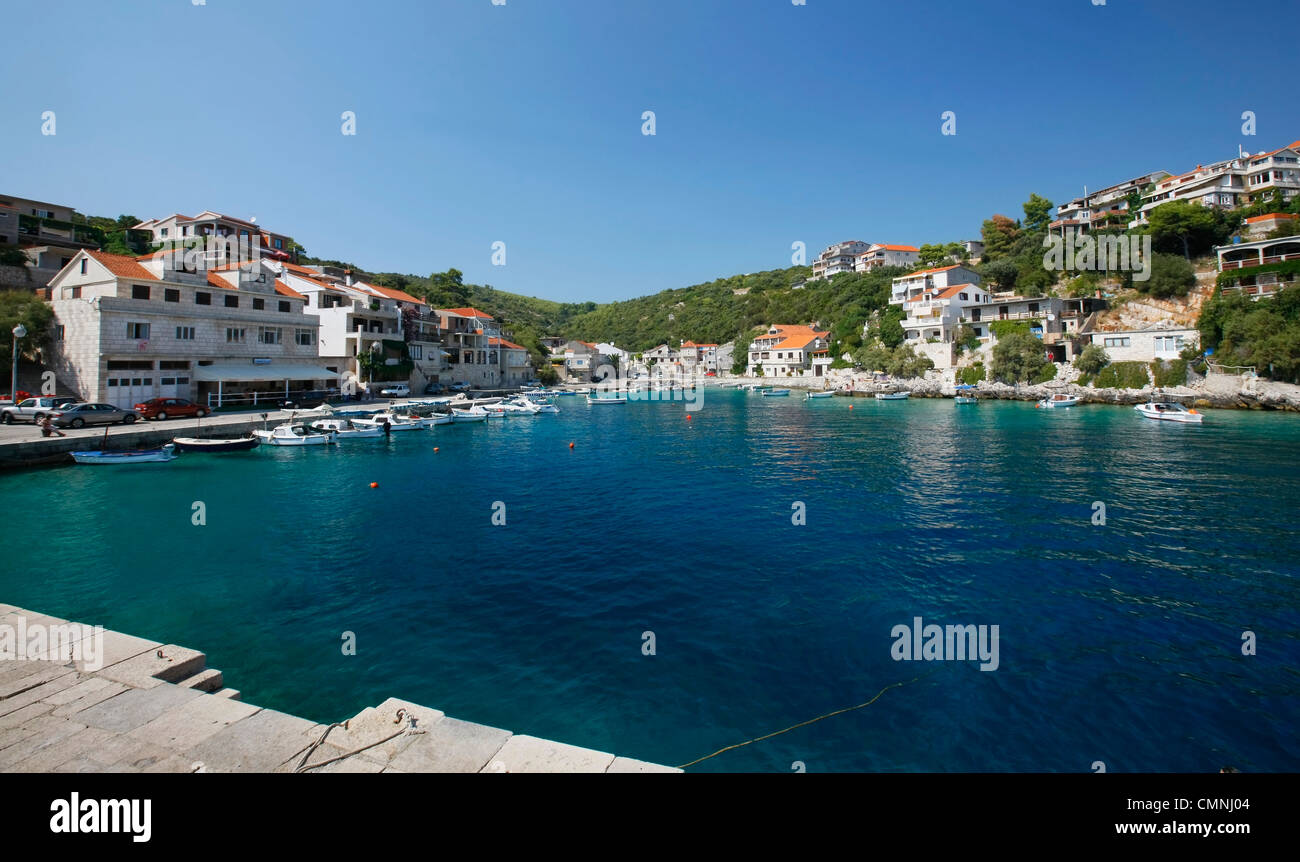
(126, 392)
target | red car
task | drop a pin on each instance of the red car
(170, 408)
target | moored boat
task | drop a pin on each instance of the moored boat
(216, 444)
(473, 414)
(1058, 400)
(965, 395)
(893, 396)
(345, 429)
(595, 399)
(774, 393)
(395, 422)
(126, 456)
(290, 434)
(1168, 411)
(811, 395)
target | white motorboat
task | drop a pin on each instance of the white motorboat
(774, 393)
(965, 395)
(126, 456)
(593, 399)
(344, 429)
(1058, 400)
(395, 422)
(546, 407)
(811, 395)
(473, 414)
(1169, 411)
(290, 434)
(892, 396)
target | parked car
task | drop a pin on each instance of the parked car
(460, 387)
(34, 409)
(433, 389)
(80, 415)
(169, 408)
(401, 390)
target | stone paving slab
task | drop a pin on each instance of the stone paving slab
(51, 686)
(46, 731)
(530, 754)
(63, 750)
(192, 722)
(628, 765)
(451, 745)
(135, 707)
(147, 669)
(89, 699)
(260, 743)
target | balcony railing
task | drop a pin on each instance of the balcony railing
(37, 227)
(1277, 258)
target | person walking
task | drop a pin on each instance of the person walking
(48, 429)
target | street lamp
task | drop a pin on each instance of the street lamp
(370, 372)
(20, 331)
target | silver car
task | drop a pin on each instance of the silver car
(80, 415)
(34, 409)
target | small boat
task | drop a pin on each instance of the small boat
(395, 422)
(474, 414)
(126, 456)
(893, 396)
(216, 444)
(595, 399)
(344, 429)
(774, 393)
(811, 395)
(964, 395)
(546, 407)
(1058, 400)
(290, 434)
(1168, 411)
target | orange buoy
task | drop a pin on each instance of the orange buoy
(850, 406)
(374, 484)
(570, 445)
(688, 417)
(435, 448)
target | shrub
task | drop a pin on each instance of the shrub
(1091, 360)
(1046, 373)
(1123, 375)
(1017, 357)
(1003, 328)
(1172, 373)
(971, 374)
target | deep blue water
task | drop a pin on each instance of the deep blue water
(1119, 643)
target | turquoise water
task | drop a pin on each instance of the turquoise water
(1118, 643)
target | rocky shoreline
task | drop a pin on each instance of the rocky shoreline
(1228, 392)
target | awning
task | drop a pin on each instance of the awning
(243, 372)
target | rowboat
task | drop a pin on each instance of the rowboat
(128, 456)
(892, 396)
(597, 400)
(216, 444)
(774, 393)
(964, 395)
(290, 434)
(1168, 411)
(809, 396)
(474, 414)
(1058, 400)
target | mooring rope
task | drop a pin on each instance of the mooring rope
(802, 723)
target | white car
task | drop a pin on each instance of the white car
(401, 390)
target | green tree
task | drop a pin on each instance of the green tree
(999, 234)
(1038, 212)
(1091, 359)
(1171, 275)
(932, 255)
(1017, 358)
(448, 289)
(20, 306)
(1003, 273)
(1183, 226)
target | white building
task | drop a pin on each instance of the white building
(1145, 345)
(1104, 208)
(837, 258)
(906, 287)
(886, 255)
(790, 351)
(128, 330)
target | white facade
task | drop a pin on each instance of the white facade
(1145, 345)
(837, 258)
(790, 351)
(906, 287)
(886, 255)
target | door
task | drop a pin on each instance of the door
(126, 392)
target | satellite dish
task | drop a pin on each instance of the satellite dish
(252, 220)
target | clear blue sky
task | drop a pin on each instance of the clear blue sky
(522, 123)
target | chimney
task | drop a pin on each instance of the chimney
(347, 277)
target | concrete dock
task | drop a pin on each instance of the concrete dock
(153, 707)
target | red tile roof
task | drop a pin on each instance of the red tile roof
(121, 265)
(501, 342)
(1269, 216)
(466, 312)
(393, 293)
(928, 271)
(285, 290)
(792, 337)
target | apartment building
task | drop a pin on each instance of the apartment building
(1145, 345)
(208, 227)
(698, 357)
(909, 286)
(466, 336)
(789, 351)
(127, 330)
(879, 255)
(1103, 209)
(515, 367)
(837, 258)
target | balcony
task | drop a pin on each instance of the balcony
(58, 232)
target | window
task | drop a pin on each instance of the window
(417, 352)
(304, 337)
(268, 335)
(1169, 343)
(171, 294)
(83, 266)
(234, 335)
(279, 243)
(137, 330)
(259, 304)
(963, 296)
(173, 365)
(1117, 342)
(76, 292)
(130, 365)
(167, 381)
(232, 302)
(58, 332)
(162, 232)
(284, 305)
(139, 291)
(201, 298)
(185, 333)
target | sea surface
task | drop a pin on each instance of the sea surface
(1119, 643)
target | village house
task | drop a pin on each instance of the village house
(127, 330)
(837, 258)
(789, 351)
(886, 255)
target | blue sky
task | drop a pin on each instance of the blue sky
(522, 123)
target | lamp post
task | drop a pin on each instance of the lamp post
(20, 331)
(370, 372)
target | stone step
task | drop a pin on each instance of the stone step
(232, 693)
(208, 680)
